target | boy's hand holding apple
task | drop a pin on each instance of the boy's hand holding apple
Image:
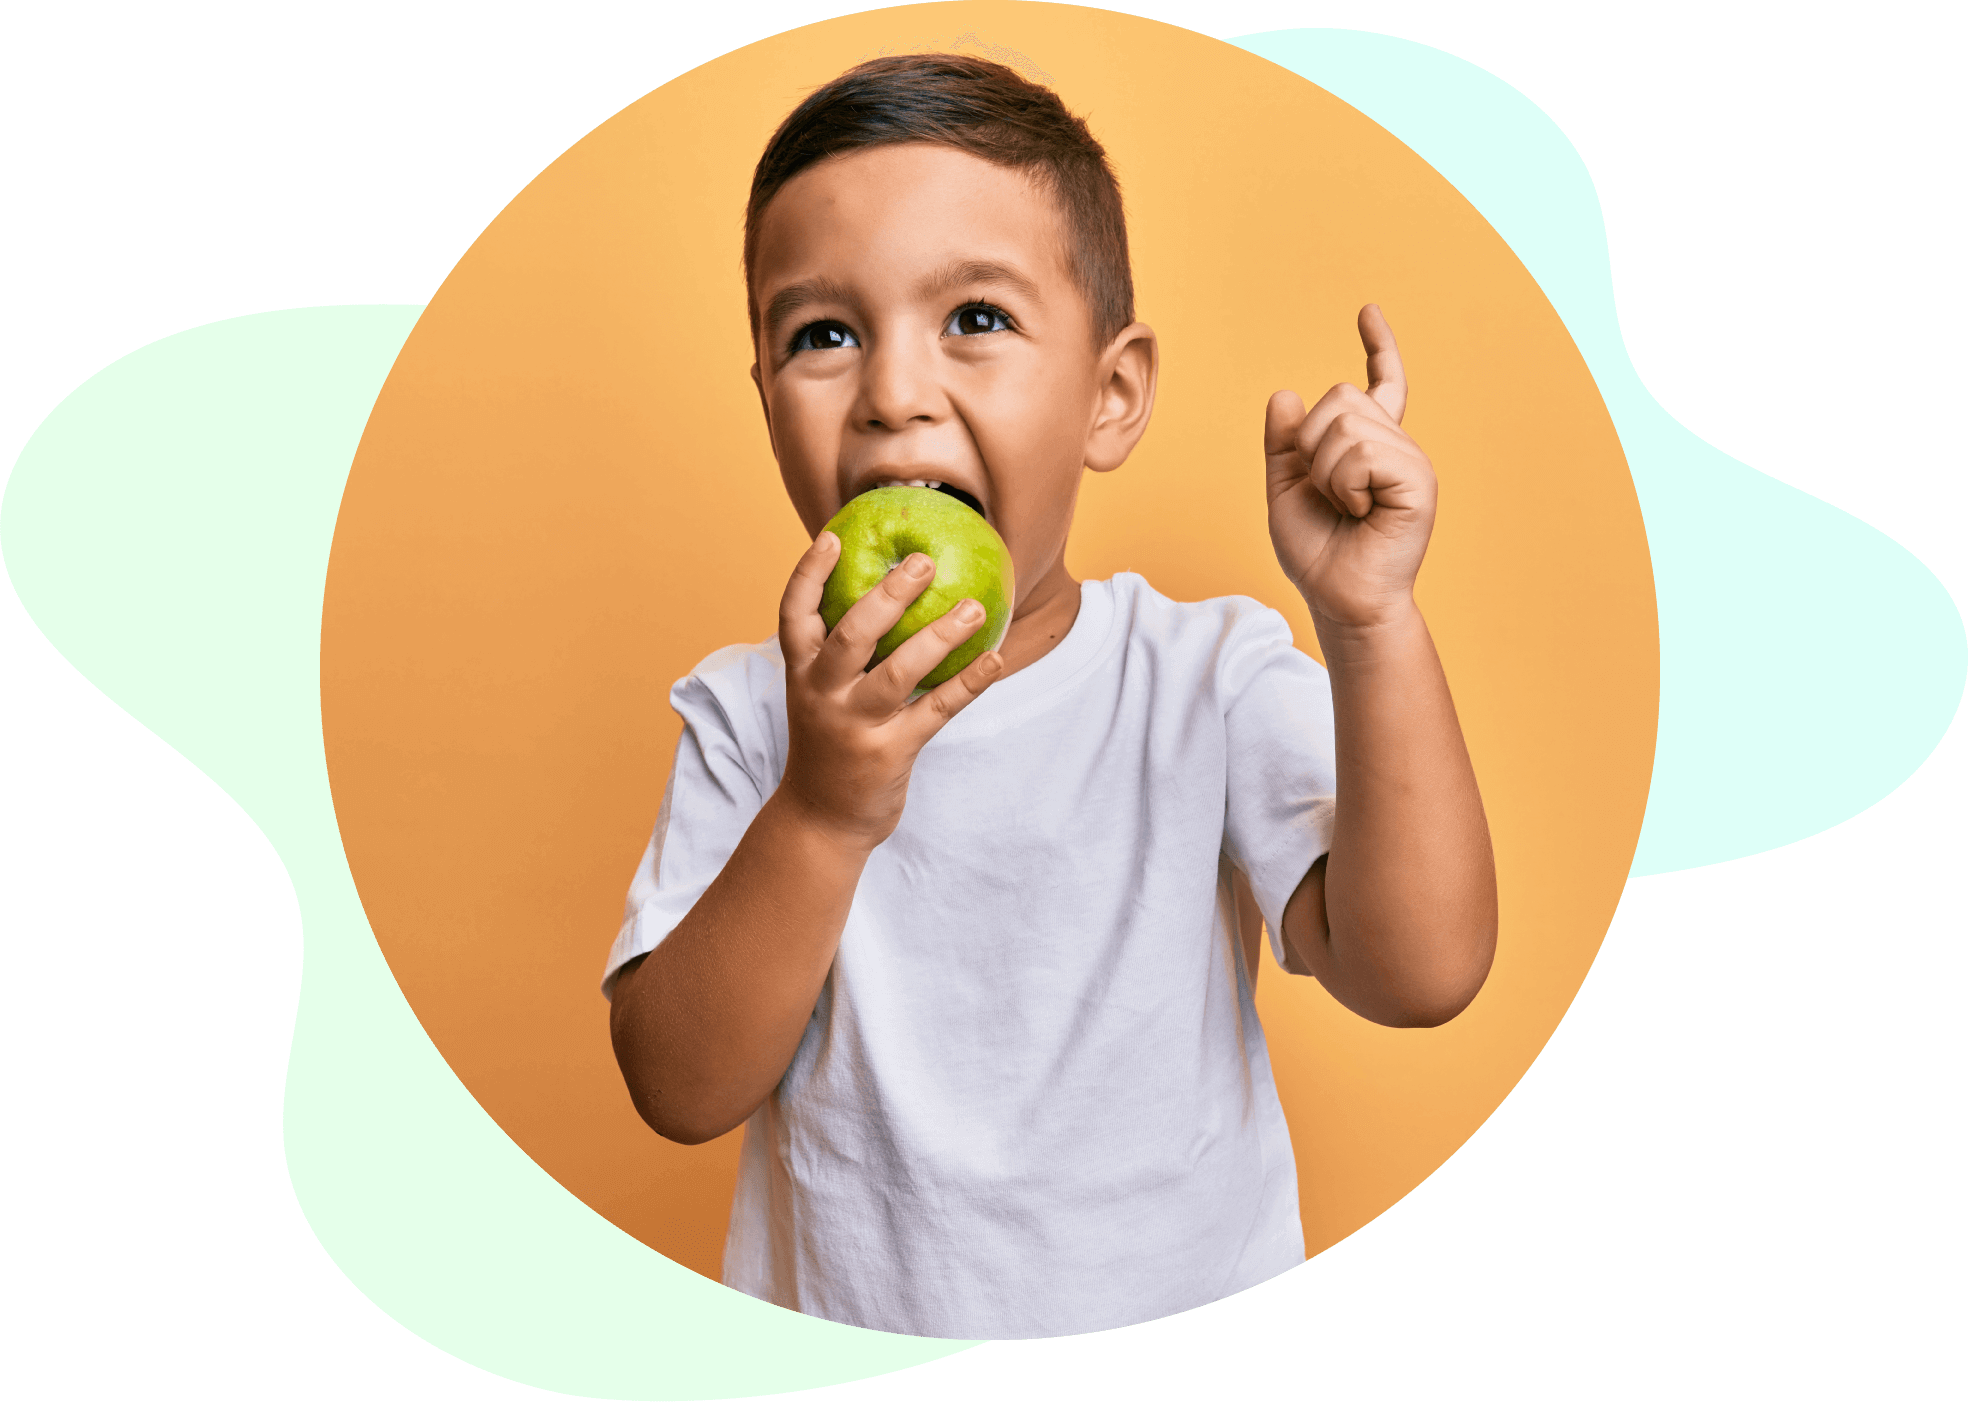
(710, 1018)
(1352, 497)
(852, 734)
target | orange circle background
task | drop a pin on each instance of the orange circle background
(565, 498)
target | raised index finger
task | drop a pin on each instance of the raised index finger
(1387, 382)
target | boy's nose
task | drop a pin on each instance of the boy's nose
(898, 388)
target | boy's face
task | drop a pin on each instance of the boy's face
(918, 323)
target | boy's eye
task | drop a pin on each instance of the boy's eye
(976, 319)
(823, 335)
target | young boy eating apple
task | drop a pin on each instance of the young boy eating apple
(969, 968)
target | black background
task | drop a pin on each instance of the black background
(1730, 1145)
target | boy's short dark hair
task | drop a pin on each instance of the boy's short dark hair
(976, 106)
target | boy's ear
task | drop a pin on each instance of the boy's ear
(764, 408)
(1125, 376)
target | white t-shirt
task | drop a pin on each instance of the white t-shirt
(1033, 1098)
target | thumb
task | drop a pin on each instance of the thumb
(1282, 416)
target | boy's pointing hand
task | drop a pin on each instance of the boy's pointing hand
(852, 732)
(1352, 497)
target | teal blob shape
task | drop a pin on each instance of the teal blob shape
(168, 528)
(1808, 663)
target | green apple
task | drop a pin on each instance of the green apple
(880, 529)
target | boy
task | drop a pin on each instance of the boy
(968, 969)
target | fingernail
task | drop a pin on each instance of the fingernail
(990, 665)
(969, 611)
(918, 565)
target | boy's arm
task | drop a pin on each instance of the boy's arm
(705, 1025)
(1399, 919)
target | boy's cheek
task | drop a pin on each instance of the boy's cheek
(809, 479)
(814, 506)
(807, 444)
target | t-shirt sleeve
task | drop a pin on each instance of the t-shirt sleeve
(1281, 774)
(714, 792)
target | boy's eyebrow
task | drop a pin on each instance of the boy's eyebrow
(969, 272)
(788, 300)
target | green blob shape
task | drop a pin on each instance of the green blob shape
(1809, 663)
(168, 528)
(880, 529)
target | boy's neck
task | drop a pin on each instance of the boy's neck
(1045, 616)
